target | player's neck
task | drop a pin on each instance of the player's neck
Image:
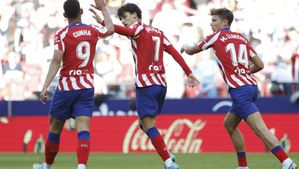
(71, 21)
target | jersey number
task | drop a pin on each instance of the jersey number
(83, 52)
(242, 56)
(157, 41)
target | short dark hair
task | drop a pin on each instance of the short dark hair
(223, 13)
(131, 8)
(71, 8)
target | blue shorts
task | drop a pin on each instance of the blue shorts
(243, 100)
(67, 104)
(149, 100)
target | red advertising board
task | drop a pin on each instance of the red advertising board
(182, 133)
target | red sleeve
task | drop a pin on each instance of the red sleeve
(129, 32)
(58, 42)
(178, 58)
(207, 42)
(252, 52)
(101, 31)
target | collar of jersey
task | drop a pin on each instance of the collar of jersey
(225, 30)
(135, 23)
(75, 24)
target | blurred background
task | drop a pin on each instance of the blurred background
(27, 28)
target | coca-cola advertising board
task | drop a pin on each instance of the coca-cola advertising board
(182, 133)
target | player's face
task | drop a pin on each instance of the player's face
(128, 19)
(217, 23)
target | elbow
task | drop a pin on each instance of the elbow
(261, 66)
(111, 30)
(189, 52)
(56, 62)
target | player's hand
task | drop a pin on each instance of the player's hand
(96, 16)
(182, 49)
(43, 96)
(99, 4)
(192, 81)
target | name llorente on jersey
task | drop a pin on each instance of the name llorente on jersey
(81, 33)
(232, 36)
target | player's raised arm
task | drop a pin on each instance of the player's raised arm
(126, 31)
(100, 5)
(96, 16)
(192, 80)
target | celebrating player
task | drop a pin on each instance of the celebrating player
(75, 47)
(148, 44)
(235, 55)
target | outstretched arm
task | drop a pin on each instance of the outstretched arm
(100, 5)
(191, 80)
(178, 58)
(190, 49)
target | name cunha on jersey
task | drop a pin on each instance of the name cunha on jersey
(82, 33)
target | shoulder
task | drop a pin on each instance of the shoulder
(213, 37)
(154, 31)
(242, 37)
(92, 26)
(158, 30)
(62, 30)
(98, 28)
(137, 25)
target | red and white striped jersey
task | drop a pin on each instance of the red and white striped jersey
(148, 44)
(233, 52)
(78, 42)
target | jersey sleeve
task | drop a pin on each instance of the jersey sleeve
(101, 31)
(168, 47)
(58, 43)
(128, 31)
(252, 52)
(208, 42)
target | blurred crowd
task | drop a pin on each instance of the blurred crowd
(27, 29)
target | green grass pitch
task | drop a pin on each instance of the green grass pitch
(143, 161)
